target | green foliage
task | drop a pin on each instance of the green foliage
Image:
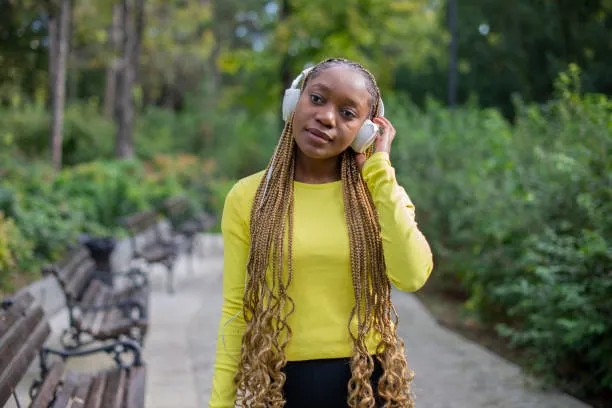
(87, 134)
(15, 251)
(505, 49)
(42, 212)
(563, 295)
(306, 32)
(521, 217)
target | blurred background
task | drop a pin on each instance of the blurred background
(504, 123)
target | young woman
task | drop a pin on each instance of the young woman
(312, 245)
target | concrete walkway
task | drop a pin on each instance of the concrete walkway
(451, 372)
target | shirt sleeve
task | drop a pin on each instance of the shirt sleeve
(234, 228)
(407, 253)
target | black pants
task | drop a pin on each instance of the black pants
(321, 383)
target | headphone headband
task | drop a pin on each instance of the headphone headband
(296, 83)
(301, 77)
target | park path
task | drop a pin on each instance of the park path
(451, 372)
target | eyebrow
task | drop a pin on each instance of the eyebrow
(349, 100)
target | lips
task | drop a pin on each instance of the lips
(319, 133)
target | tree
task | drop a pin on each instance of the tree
(279, 41)
(59, 43)
(112, 70)
(452, 66)
(133, 25)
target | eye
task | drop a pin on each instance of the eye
(349, 113)
(316, 99)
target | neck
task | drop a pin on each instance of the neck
(316, 171)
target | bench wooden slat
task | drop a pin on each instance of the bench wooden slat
(111, 318)
(46, 392)
(96, 391)
(91, 293)
(22, 341)
(121, 326)
(115, 389)
(124, 294)
(157, 253)
(10, 377)
(136, 388)
(141, 221)
(80, 278)
(80, 395)
(64, 397)
(92, 321)
(7, 320)
(12, 342)
(70, 261)
(8, 317)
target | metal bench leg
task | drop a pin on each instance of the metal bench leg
(16, 399)
(170, 279)
(190, 256)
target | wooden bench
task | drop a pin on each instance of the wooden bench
(97, 311)
(155, 248)
(23, 331)
(186, 223)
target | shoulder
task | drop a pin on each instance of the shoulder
(244, 190)
(239, 199)
(238, 203)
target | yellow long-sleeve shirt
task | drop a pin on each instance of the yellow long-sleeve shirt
(322, 286)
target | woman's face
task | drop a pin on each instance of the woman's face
(330, 111)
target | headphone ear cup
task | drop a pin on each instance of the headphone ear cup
(365, 136)
(290, 101)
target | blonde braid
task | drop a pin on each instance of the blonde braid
(260, 378)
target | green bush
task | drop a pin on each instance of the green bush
(49, 211)
(562, 293)
(16, 252)
(521, 217)
(86, 134)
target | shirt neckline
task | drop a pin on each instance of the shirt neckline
(318, 186)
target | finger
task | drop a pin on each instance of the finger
(386, 123)
(386, 126)
(385, 136)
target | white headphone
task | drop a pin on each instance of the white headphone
(367, 132)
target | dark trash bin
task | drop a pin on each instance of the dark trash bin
(101, 249)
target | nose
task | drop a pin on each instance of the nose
(325, 116)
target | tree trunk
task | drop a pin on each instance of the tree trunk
(285, 68)
(453, 51)
(53, 48)
(112, 71)
(59, 86)
(72, 71)
(213, 82)
(133, 24)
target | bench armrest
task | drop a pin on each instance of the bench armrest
(124, 304)
(134, 275)
(116, 349)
